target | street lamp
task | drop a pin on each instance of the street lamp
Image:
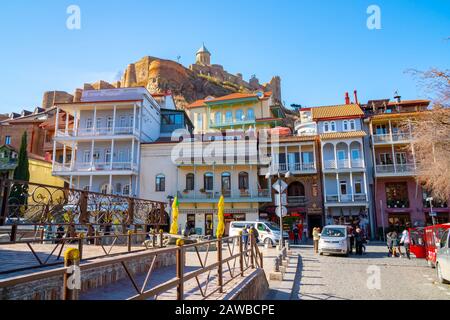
(287, 176)
(430, 200)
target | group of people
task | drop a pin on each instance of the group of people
(357, 240)
(300, 232)
(396, 241)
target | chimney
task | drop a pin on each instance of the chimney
(356, 96)
(77, 95)
(347, 98)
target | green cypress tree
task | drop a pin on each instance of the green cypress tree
(19, 192)
(22, 171)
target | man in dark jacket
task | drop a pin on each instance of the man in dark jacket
(359, 241)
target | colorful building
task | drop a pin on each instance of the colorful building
(399, 197)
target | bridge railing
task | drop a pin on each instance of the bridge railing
(234, 256)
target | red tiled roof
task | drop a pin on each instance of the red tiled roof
(395, 103)
(197, 104)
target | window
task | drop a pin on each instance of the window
(118, 188)
(307, 157)
(99, 123)
(8, 140)
(352, 125)
(343, 187)
(229, 117)
(107, 156)
(226, 182)
(385, 159)
(190, 181)
(326, 126)
(160, 183)
(87, 156)
(199, 121)
(400, 157)
(358, 187)
(109, 123)
(123, 122)
(131, 122)
(356, 154)
(243, 181)
(208, 181)
(397, 194)
(89, 124)
(96, 156)
(239, 115)
(104, 189)
(126, 190)
(345, 124)
(333, 126)
(381, 129)
(218, 117)
(341, 155)
(250, 114)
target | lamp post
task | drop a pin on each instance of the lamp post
(287, 176)
(430, 200)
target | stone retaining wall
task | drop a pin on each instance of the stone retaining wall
(254, 287)
(50, 288)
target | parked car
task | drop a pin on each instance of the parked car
(334, 240)
(443, 258)
(269, 232)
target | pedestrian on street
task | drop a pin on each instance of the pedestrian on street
(295, 232)
(316, 239)
(255, 233)
(305, 233)
(406, 241)
(395, 243)
(359, 241)
(245, 238)
(351, 235)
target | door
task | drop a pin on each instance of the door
(417, 243)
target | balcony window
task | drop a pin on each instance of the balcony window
(8, 140)
(243, 181)
(190, 178)
(208, 180)
(229, 117)
(356, 154)
(107, 156)
(104, 189)
(226, 182)
(400, 158)
(118, 188)
(307, 157)
(358, 187)
(87, 156)
(345, 124)
(218, 118)
(160, 183)
(109, 123)
(89, 124)
(341, 155)
(381, 129)
(343, 187)
(250, 114)
(333, 126)
(126, 190)
(385, 159)
(352, 125)
(99, 123)
(326, 127)
(199, 121)
(239, 115)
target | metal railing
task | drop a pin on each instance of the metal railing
(346, 198)
(395, 169)
(396, 137)
(92, 132)
(294, 167)
(234, 257)
(24, 203)
(215, 195)
(96, 166)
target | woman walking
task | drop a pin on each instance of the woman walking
(316, 239)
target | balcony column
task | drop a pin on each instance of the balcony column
(390, 131)
(195, 179)
(325, 188)
(72, 157)
(75, 123)
(114, 120)
(287, 158)
(64, 155)
(66, 132)
(134, 118)
(394, 160)
(300, 158)
(335, 156)
(365, 185)
(71, 182)
(349, 155)
(338, 187)
(94, 125)
(110, 188)
(373, 148)
(133, 143)
(250, 184)
(412, 146)
(90, 183)
(315, 156)
(322, 158)
(56, 130)
(351, 187)
(92, 152)
(113, 145)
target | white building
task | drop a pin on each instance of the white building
(105, 139)
(345, 186)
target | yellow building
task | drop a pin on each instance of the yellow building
(41, 172)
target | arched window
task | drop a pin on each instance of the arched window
(160, 183)
(345, 125)
(250, 114)
(226, 183)
(352, 125)
(333, 126)
(105, 188)
(190, 182)
(326, 126)
(126, 190)
(229, 117)
(239, 115)
(243, 181)
(118, 188)
(218, 118)
(208, 180)
(296, 189)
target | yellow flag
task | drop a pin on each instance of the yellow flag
(221, 211)
(174, 226)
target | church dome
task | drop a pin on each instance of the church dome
(203, 50)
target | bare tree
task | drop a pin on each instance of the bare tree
(431, 135)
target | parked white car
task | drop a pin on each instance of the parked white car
(269, 232)
(443, 258)
(334, 240)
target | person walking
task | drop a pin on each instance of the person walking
(305, 233)
(395, 243)
(255, 233)
(316, 239)
(359, 241)
(406, 241)
(351, 235)
(245, 238)
(295, 232)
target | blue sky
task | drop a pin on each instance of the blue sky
(321, 49)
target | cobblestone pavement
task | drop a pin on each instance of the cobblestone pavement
(355, 278)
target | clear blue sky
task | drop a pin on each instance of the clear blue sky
(319, 48)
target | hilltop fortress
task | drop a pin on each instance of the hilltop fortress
(187, 85)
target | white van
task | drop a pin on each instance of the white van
(334, 240)
(269, 232)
